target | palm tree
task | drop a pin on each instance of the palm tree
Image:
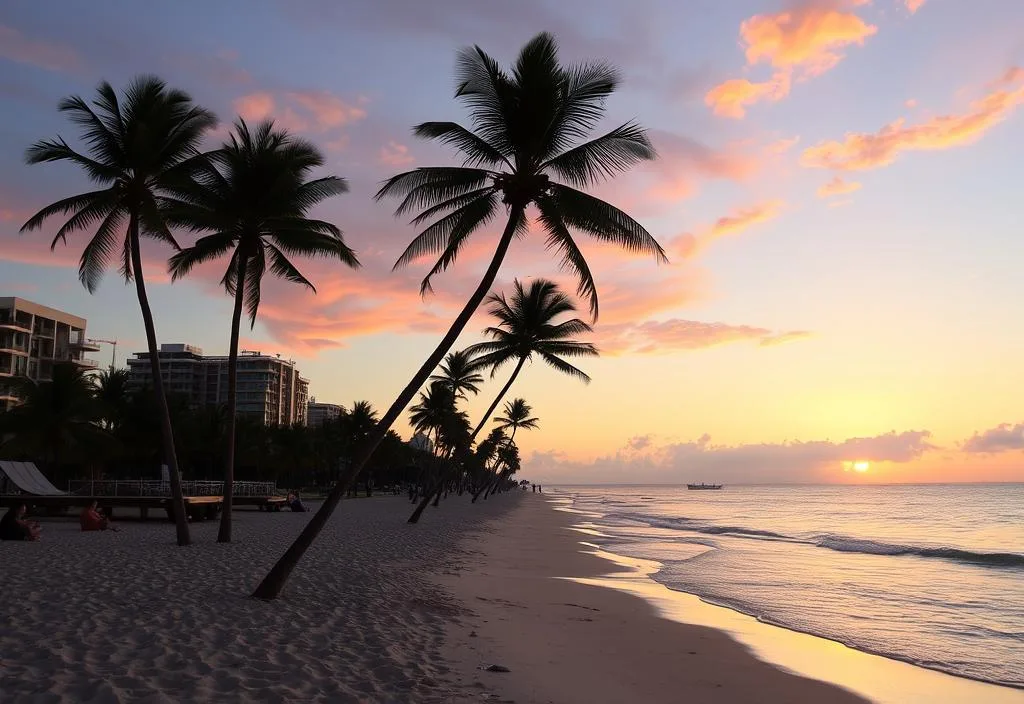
(112, 393)
(252, 196)
(516, 416)
(459, 373)
(356, 426)
(527, 327)
(138, 145)
(524, 125)
(435, 405)
(55, 418)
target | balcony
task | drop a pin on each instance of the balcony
(80, 342)
(15, 326)
(85, 363)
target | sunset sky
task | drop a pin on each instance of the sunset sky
(838, 190)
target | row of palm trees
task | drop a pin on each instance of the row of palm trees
(526, 154)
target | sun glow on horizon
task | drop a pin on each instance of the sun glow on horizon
(861, 466)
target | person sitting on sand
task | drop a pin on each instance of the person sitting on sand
(14, 525)
(295, 503)
(92, 518)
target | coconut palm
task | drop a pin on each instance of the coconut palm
(459, 373)
(252, 197)
(55, 418)
(137, 145)
(516, 416)
(526, 327)
(113, 397)
(525, 124)
(432, 410)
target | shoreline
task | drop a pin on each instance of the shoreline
(536, 545)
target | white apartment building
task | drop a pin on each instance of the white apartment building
(320, 413)
(270, 389)
(33, 338)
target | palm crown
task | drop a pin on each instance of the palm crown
(517, 415)
(252, 195)
(137, 146)
(524, 127)
(459, 373)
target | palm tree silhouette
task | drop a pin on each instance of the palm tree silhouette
(516, 415)
(138, 147)
(459, 373)
(524, 125)
(113, 397)
(527, 327)
(252, 196)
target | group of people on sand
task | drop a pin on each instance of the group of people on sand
(16, 525)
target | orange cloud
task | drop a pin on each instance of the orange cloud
(805, 41)
(808, 38)
(781, 146)
(53, 57)
(913, 5)
(741, 219)
(255, 106)
(395, 154)
(732, 98)
(653, 336)
(838, 187)
(860, 151)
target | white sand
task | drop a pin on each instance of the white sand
(129, 616)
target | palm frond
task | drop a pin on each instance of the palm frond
(46, 150)
(560, 239)
(604, 157)
(204, 250)
(564, 367)
(435, 237)
(604, 221)
(96, 255)
(477, 150)
(105, 145)
(428, 186)
(472, 217)
(65, 206)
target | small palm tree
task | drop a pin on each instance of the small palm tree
(527, 327)
(459, 373)
(55, 418)
(516, 416)
(430, 414)
(138, 146)
(252, 196)
(113, 397)
(528, 127)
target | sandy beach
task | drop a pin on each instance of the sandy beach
(380, 611)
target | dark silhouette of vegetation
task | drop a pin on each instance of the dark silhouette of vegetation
(518, 414)
(252, 196)
(527, 127)
(138, 146)
(527, 327)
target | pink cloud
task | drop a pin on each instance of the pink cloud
(860, 151)
(913, 5)
(689, 245)
(36, 52)
(255, 106)
(395, 154)
(1002, 438)
(328, 110)
(838, 187)
(674, 335)
(733, 97)
(301, 111)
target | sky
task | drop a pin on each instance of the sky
(837, 189)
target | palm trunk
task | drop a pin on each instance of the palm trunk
(497, 399)
(166, 432)
(274, 582)
(224, 534)
(415, 517)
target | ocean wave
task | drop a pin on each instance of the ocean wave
(872, 547)
(838, 543)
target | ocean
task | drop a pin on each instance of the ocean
(928, 574)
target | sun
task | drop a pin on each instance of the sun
(861, 466)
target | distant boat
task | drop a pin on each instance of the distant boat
(701, 486)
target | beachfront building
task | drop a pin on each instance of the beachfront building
(33, 338)
(270, 389)
(320, 413)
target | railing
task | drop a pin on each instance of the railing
(147, 487)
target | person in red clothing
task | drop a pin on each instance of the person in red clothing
(93, 519)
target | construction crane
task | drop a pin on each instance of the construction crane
(113, 353)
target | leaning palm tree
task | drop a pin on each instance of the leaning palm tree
(516, 416)
(252, 197)
(138, 145)
(527, 327)
(459, 373)
(524, 126)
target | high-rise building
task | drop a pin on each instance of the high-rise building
(269, 389)
(320, 413)
(33, 338)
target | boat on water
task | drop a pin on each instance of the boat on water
(703, 486)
